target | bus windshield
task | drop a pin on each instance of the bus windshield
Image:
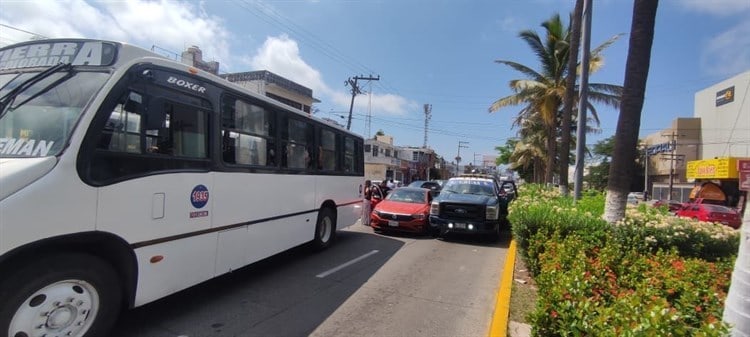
(38, 120)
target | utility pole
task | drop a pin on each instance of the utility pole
(352, 81)
(672, 156)
(461, 144)
(645, 175)
(583, 99)
(427, 117)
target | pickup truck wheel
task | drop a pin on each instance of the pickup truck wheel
(495, 236)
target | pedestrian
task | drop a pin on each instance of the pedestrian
(366, 203)
(384, 188)
(391, 185)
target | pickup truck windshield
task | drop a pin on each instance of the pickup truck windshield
(469, 187)
(41, 117)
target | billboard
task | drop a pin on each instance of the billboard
(719, 168)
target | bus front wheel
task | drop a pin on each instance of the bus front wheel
(325, 229)
(64, 295)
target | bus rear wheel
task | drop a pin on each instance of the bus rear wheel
(325, 229)
(65, 295)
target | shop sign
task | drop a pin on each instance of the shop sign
(725, 96)
(720, 168)
(744, 166)
(659, 148)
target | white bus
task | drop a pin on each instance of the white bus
(126, 177)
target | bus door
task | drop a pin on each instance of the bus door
(152, 166)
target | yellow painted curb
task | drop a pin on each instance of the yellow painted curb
(499, 325)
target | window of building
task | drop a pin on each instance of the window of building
(375, 150)
(387, 152)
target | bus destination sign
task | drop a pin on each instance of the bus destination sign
(47, 54)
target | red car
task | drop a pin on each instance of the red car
(404, 209)
(712, 213)
(672, 205)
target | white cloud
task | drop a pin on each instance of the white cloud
(281, 55)
(167, 24)
(717, 7)
(729, 52)
(174, 26)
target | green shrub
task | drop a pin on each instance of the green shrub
(651, 274)
(652, 230)
(590, 290)
(541, 213)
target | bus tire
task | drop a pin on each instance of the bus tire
(325, 229)
(64, 295)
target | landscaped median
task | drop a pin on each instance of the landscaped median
(651, 274)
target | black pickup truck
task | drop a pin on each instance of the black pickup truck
(472, 204)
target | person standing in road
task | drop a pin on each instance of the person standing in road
(366, 203)
(384, 188)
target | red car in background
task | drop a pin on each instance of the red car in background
(672, 205)
(711, 213)
(404, 209)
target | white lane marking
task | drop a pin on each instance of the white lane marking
(347, 264)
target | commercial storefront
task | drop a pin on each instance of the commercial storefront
(715, 180)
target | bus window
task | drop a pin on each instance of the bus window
(298, 137)
(122, 131)
(349, 155)
(145, 134)
(327, 155)
(247, 133)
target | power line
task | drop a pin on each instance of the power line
(24, 31)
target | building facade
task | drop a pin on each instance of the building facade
(276, 87)
(194, 56)
(724, 109)
(382, 160)
(704, 148)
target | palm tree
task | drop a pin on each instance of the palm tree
(530, 151)
(629, 121)
(568, 99)
(542, 92)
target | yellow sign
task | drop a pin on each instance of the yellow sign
(720, 168)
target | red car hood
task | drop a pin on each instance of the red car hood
(401, 207)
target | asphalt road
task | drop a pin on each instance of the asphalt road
(367, 284)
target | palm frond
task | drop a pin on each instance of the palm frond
(605, 45)
(531, 73)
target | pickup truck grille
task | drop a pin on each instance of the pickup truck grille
(461, 211)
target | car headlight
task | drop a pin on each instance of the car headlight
(376, 212)
(491, 212)
(434, 208)
(419, 216)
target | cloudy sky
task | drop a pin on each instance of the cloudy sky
(437, 52)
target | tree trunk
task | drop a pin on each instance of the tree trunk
(568, 100)
(549, 170)
(629, 122)
(736, 310)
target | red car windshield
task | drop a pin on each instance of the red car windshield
(718, 209)
(410, 196)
